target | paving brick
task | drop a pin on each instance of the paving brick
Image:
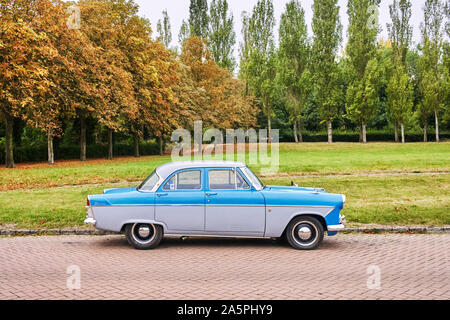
(411, 267)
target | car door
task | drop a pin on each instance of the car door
(180, 201)
(232, 205)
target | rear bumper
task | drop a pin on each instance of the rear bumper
(90, 217)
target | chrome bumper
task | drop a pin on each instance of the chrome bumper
(340, 226)
(90, 217)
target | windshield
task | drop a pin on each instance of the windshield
(253, 178)
(150, 182)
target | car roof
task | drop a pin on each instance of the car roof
(166, 169)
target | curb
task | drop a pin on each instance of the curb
(93, 232)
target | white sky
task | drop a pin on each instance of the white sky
(179, 10)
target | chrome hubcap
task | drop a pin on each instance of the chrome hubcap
(304, 233)
(144, 231)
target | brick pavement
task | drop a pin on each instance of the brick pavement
(411, 266)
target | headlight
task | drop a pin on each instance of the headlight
(344, 198)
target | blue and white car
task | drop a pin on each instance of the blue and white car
(217, 199)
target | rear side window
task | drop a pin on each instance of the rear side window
(226, 180)
(185, 180)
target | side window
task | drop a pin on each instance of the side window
(185, 180)
(226, 180)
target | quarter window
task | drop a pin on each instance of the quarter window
(226, 180)
(185, 180)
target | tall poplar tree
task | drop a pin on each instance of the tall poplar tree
(294, 53)
(261, 64)
(164, 29)
(400, 34)
(362, 94)
(327, 31)
(431, 79)
(198, 18)
(222, 37)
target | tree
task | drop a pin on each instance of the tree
(327, 36)
(164, 30)
(430, 65)
(260, 66)
(24, 78)
(400, 33)
(222, 37)
(400, 97)
(362, 94)
(244, 49)
(184, 32)
(294, 54)
(198, 18)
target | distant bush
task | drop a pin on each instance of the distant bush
(377, 136)
(31, 153)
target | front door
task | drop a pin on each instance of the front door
(232, 205)
(180, 202)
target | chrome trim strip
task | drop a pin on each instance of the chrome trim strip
(211, 205)
(214, 236)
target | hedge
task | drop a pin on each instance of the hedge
(39, 152)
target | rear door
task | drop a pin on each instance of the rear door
(180, 201)
(232, 205)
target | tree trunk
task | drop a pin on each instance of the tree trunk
(330, 132)
(295, 131)
(83, 137)
(269, 129)
(110, 144)
(300, 130)
(425, 132)
(9, 155)
(50, 152)
(396, 132)
(436, 121)
(136, 144)
(364, 133)
(403, 132)
(161, 146)
(361, 138)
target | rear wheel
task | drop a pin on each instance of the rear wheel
(304, 233)
(143, 236)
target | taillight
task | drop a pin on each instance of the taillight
(88, 203)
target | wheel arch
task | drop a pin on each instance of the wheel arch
(319, 217)
(122, 229)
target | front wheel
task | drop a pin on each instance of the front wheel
(143, 236)
(304, 233)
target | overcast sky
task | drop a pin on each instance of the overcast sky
(179, 10)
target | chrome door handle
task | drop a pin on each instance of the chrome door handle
(162, 194)
(211, 194)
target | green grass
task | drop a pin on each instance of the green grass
(295, 159)
(393, 200)
(34, 200)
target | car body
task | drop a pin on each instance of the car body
(215, 198)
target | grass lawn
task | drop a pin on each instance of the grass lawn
(296, 159)
(393, 200)
(31, 196)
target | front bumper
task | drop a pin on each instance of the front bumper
(338, 227)
(90, 217)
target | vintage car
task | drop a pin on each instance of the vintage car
(217, 199)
